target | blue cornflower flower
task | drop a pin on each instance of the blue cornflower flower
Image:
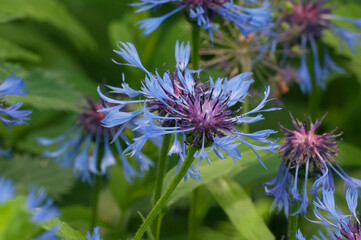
(203, 12)
(197, 114)
(95, 236)
(11, 115)
(75, 147)
(40, 208)
(306, 154)
(307, 21)
(339, 226)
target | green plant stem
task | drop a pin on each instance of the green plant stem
(194, 218)
(246, 66)
(293, 223)
(315, 100)
(196, 40)
(162, 161)
(160, 203)
(161, 166)
(94, 209)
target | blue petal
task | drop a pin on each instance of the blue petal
(182, 55)
(7, 190)
(13, 86)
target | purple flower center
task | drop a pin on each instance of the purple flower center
(307, 17)
(202, 3)
(303, 145)
(90, 120)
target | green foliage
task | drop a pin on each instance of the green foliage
(52, 12)
(15, 217)
(65, 230)
(9, 50)
(39, 172)
(240, 209)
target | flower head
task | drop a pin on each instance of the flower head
(11, 115)
(339, 226)
(75, 147)
(306, 22)
(203, 12)
(306, 155)
(197, 114)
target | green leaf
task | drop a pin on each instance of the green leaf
(217, 169)
(52, 12)
(240, 209)
(15, 217)
(65, 231)
(9, 50)
(5, 17)
(26, 171)
(47, 89)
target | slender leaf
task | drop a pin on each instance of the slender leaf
(65, 231)
(240, 209)
(9, 50)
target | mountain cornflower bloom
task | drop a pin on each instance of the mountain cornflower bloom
(11, 115)
(339, 226)
(307, 22)
(82, 145)
(40, 208)
(306, 155)
(203, 13)
(197, 114)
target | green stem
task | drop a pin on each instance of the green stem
(160, 203)
(194, 218)
(196, 36)
(162, 161)
(314, 100)
(246, 66)
(94, 209)
(293, 223)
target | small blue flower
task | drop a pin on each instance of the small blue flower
(196, 114)
(7, 190)
(304, 153)
(203, 12)
(307, 21)
(76, 150)
(95, 236)
(11, 115)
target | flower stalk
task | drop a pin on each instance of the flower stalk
(160, 203)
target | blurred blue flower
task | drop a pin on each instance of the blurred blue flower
(7, 190)
(197, 114)
(203, 12)
(76, 147)
(306, 154)
(95, 236)
(307, 21)
(40, 208)
(339, 226)
(11, 115)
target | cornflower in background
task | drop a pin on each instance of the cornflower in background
(39, 208)
(306, 155)
(339, 226)
(306, 21)
(196, 114)
(82, 146)
(11, 115)
(234, 53)
(204, 12)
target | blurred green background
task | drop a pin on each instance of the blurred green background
(64, 50)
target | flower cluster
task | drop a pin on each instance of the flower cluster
(339, 226)
(197, 114)
(40, 208)
(307, 20)
(75, 147)
(203, 12)
(12, 115)
(306, 154)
